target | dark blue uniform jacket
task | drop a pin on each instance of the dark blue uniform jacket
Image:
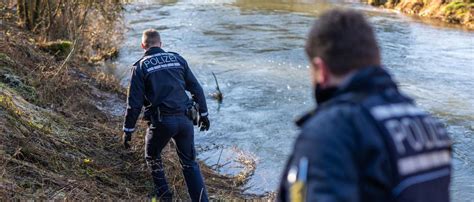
(345, 154)
(161, 79)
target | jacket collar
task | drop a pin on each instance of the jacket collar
(154, 50)
(367, 80)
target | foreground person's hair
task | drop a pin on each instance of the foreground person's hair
(344, 40)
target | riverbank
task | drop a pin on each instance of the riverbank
(451, 11)
(60, 120)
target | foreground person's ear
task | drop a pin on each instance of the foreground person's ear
(320, 72)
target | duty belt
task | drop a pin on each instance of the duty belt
(173, 113)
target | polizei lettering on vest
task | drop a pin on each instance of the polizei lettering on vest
(417, 137)
(161, 60)
(416, 133)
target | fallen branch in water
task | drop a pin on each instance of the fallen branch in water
(218, 94)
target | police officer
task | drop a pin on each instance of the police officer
(365, 141)
(159, 82)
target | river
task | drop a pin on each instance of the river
(256, 50)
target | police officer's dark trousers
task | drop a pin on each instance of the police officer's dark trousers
(180, 128)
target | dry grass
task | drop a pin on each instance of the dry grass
(56, 142)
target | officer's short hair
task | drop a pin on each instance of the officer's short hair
(344, 40)
(151, 37)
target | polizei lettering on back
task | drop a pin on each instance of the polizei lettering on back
(160, 61)
(421, 142)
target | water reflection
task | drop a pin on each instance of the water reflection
(304, 6)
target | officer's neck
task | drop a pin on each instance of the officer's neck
(334, 81)
(151, 47)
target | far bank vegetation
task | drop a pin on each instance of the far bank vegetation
(451, 11)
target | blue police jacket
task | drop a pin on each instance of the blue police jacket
(160, 80)
(368, 142)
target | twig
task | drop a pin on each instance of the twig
(224, 164)
(219, 159)
(33, 168)
(217, 83)
(218, 94)
(67, 58)
(9, 159)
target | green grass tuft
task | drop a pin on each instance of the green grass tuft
(58, 48)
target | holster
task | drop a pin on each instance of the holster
(193, 113)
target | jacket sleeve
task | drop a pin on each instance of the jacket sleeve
(329, 145)
(193, 86)
(135, 99)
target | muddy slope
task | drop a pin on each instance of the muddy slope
(60, 131)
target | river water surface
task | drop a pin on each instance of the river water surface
(256, 50)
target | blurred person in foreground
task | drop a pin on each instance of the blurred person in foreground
(365, 141)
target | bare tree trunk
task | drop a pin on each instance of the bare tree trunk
(48, 18)
(36, 12)
(27, 18)
(52, 15)
(21, 11)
